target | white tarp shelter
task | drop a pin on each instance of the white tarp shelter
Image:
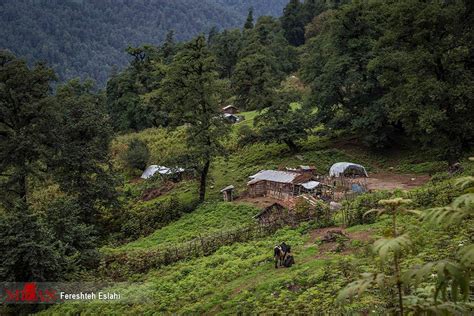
(153, 169)
(342, 168)
(311, 185)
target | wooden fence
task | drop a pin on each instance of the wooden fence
(122, 265)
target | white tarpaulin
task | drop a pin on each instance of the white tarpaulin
(346, 167)
(153, 169)
(311, 185)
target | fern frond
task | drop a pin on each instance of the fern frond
(466, 255)
(418, 273)
(465, 182)
(379, 211)
(461, 208)
(385, 246)
(414, 212)
(446, 308)
(396, 202)
(451, 272)
(465, 201)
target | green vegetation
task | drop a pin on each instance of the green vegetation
(242, 278)
(386, 84)
(86, 38)
(205, 220)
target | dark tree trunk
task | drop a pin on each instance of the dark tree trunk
(22, 190)
(291, 144)
(203, 181)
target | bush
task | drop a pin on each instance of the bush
(143, 218)
(137, 155)
(353, 211)
(246, 136)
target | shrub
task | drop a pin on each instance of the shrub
(353, 211)
(137, 154)
(246, 136)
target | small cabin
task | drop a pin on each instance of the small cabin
(230, 109)
(270, 214)
(228, 193)
(281, 185)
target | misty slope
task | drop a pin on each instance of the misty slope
(88, 37)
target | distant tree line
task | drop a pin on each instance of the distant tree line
(87, 38)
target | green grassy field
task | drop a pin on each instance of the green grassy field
(205, 220)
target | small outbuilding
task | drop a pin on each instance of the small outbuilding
(347, 169)
(270, 213)
(230, 109)
(228, 193)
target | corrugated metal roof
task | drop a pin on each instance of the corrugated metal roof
(274, 176)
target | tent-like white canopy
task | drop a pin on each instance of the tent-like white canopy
(153, 169)
(311, 185)
(341, 168)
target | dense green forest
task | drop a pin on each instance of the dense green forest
(87, 38)
(387, 84)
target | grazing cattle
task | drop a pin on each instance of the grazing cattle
(280, 252)
(289, 260)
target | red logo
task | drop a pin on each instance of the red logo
(30, 293)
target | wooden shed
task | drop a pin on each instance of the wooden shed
(228, 193)
(230, 109)
(281, 185)
(270, 213)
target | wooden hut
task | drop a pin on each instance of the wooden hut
(281, 185)
(230, 109)
(270, 213)
(228, 193)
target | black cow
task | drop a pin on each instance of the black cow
(280, 252)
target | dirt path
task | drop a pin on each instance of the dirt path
(393, 181)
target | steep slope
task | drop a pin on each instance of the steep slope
(87, 38)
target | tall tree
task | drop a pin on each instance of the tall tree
(226, 47)
(254, 81)
(335, 65)
(190, 93)
(282, 124)
(293, 23)
(168, 49)
(82, 165)
(249, 22)
(426, 70)
(125, 90)
(27, 114)
(211, 36)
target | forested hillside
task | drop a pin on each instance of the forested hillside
(87, 38)
(350, 137)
